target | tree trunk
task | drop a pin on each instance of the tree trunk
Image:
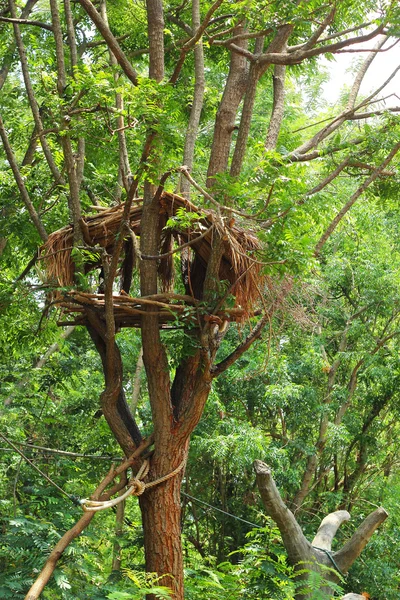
(161, 518)
(225, 120)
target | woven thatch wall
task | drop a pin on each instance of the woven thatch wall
(238, 265)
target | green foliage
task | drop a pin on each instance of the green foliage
(334, 320)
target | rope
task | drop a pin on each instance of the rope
(329, 555)
(134, 482)
(136, 488)
(221, 511)
(73, 498)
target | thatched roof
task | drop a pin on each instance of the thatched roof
(239, 266)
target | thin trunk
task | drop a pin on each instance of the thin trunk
(32, 99)
(226, 116)
(118, 532)
(278, 108)
(136, 383)
(21, 184)
(278, 44)
(247, 113)
(69, 19)
(197, 105)
(124, 166)
(69, 160)
(9, 53)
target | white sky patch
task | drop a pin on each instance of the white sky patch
(342, 73)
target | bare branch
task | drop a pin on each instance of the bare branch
(328, 232)
(21, 185)
(241, 349)
(333, 35)
(297, 546)
(110, 40)
(328, 528)
(27, 22)
(299, 56)
(346, 556)
(320, 30)
(193, 41)
(339, 120)
(327, 180)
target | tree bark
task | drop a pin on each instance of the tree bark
(278, 44)
(161, 518)
(278, 107)
(226, 115)
(197, 105)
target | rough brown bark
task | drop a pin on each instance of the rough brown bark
(278, 107)
(278, 44)
(225, 120)
(161, 518)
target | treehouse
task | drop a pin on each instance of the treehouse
(184, 229)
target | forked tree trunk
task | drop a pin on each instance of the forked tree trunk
(309, 557)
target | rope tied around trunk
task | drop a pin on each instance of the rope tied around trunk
(136, 487)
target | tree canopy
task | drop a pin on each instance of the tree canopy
(199, 270)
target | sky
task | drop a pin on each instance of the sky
(381, 68)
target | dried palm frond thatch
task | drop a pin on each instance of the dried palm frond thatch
(239, 266)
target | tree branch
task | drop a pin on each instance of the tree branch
(32, 100)
(193, 41)
(110, 40)
(346, 556)
(27, 22)
(197, 105)
(337, 122)
(21, 184)
(278, 107)
(328, 232)
(83, 522)
(241, 349)
(298, 547)
(328, 528)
